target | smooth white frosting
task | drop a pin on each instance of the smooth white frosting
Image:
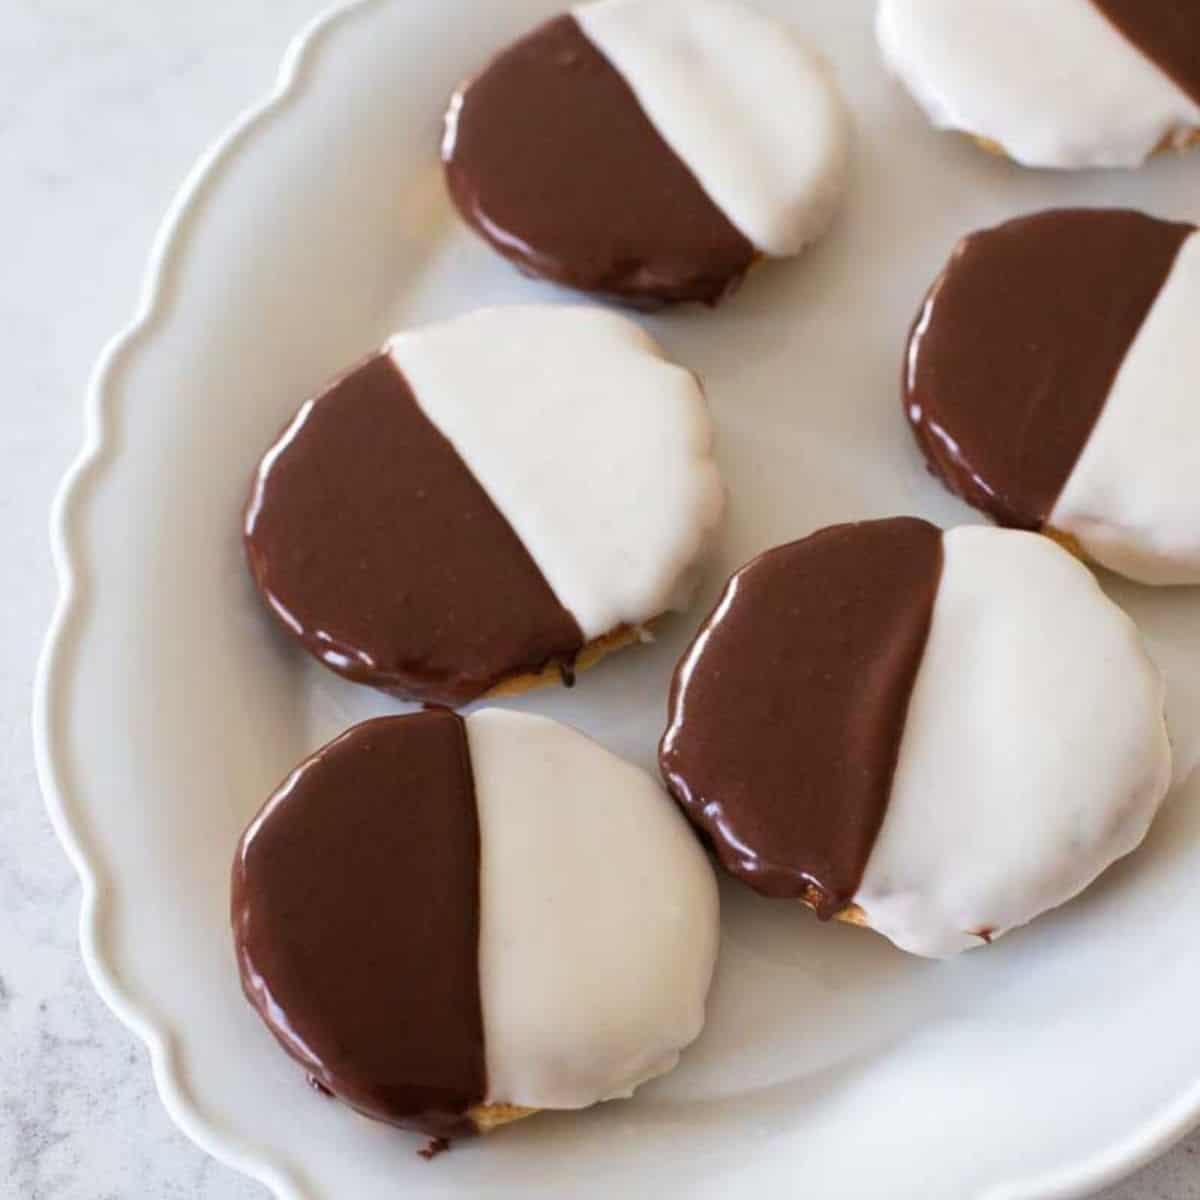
(1052, 81)
(598, 916)
(1133, 498)
(595, 448)
(1034, 752)
(751, 110)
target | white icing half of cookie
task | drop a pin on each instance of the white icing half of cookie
(1053, 82)
(751, 110)
(598, 916)
(1132, 499)
(1034, 752)
(595, 448)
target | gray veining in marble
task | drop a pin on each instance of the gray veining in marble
(103, 107)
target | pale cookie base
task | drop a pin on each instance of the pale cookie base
(589, 656)
(1067, 541)
(850, 915)
(1180, 140)
(489, 1117)
(853, 915)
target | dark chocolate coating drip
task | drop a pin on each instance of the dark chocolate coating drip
(376, 546)
(1166, 31)
(554, 162)
(785, 726)
(356, 922)
(1016, 348)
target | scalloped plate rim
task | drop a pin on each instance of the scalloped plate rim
(66, 809)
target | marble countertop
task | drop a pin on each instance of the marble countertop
(103, 107)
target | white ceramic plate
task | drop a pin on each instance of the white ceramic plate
(168, 707)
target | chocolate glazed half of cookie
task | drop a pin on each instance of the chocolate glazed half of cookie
(381, 1006)
(1168, 34)
(550, 157)
(375, 545)
(787, 711)
(1015, 350)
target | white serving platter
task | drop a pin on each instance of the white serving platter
(168, 706)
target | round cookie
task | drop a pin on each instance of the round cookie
(486, 503)
(938, 735)
(1051, 380)
(451, 923)
(649, 152)
(1052, 83)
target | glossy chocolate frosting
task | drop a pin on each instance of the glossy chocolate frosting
(374, 544)
(1014, 352)
(550, 157)
(1166, 31)
(787, 711)
(356, 921)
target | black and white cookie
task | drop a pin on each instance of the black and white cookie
(1052, 378)
(453, 922)
(649, 152)
(1052, 83)
(939, 735)
(487, 503)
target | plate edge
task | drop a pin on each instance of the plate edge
(56, 660)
